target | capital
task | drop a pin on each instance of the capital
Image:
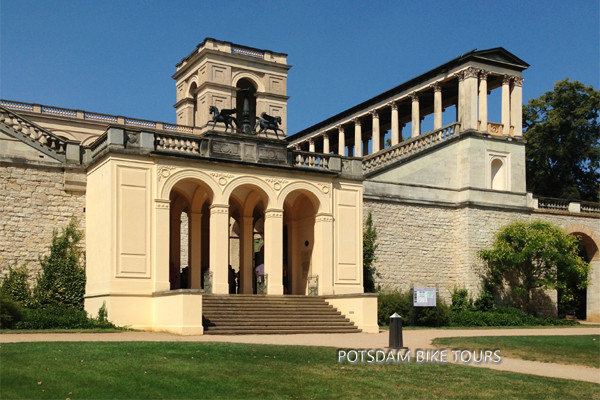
(518, 81)
(414, 96)
(311, 141)
(296, 147)
(506, 79)
(436, 86)
(483, 74)
(460, 75)
(356, 121)
(393, 105)
(340, 128)
(325, 135)
(471, 72)
(374, 113)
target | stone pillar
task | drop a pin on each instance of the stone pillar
(274, 250)
(357, 138)
(483, 107)
(323, 253)
(469, 108)
(219, 243)
(437, 105)
(160, 244)
(416, 120)
(311, 145)
(326, 143)
(461, 94)
(375, 134)
(506, 105)
(246, 253)
(395, 124)
(175, 245)
(341, 141)
(195, 249)
(516, 106)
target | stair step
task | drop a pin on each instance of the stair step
(277, 332)
(278, 323)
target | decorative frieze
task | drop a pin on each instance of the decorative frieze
(164, 171)
(277, 184)
(221, 177)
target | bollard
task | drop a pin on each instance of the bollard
(396, 332)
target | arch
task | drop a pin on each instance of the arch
(193, 86)
(318, 198)
(497, 178)
(196, 175)
(258, 83)
(252, 181)
(89, 140)
(591, 244)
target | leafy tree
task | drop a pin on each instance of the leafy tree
(369, 248)
(563, 142)
(538, 254)
(16, 286)
(62, 281)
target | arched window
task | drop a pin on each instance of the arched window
(498, 175)
(192, 94)
(246, 84)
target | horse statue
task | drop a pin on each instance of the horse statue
(223, 116)
(268, 122)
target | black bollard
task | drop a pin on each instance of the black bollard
(396, 332)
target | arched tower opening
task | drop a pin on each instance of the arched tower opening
(247, 84)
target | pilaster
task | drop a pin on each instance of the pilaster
(274, 250)
(195, 250)
(219, 244)
(323, 252)
(161, 245)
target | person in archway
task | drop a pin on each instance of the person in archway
(259, 272)
(231, 280)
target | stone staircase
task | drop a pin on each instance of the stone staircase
(256, 314)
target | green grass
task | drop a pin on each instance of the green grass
(142, 370)
(581, 350)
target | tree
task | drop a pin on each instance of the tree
(62, 281)
(538, 254)
(369, 248)
(563, 142)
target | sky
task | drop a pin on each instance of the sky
(117, 57)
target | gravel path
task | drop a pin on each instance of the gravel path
(414, 339)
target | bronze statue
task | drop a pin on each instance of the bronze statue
(268, 122)
(223, 116)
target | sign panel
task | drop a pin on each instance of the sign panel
(424, 297)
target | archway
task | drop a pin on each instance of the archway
(246, 83)
(192, 94)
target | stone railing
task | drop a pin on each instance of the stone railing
(242, 51)
(311, 160)
(103, 118)
(564, 205)
(177, 144)
(34, 132)
(408, 147)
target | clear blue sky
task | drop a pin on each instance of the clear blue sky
(117, 57)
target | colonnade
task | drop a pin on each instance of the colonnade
(467, 89)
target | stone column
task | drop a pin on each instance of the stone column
(395, 124)
(160, 244)
(274, 250)
(357, 138)
(461, 94)
(516, 106)
(246, 253)
(416, 120)
(325, 142)
(375, 134)
(469, 108)
(195, 247)
(483, 107)
(506, 105)
(323, 253)
(219, 244)
(311, 145)
(341, 140)
(175, 244)
(437, 105)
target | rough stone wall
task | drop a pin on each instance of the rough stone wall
(32, 204)
(428, 245)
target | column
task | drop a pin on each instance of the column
(357, 138)
(274, 250)
(219, 244)
(437, 105)
(323, 253)
(246, 250)
(160, 244)
(325, 142)
(175, 246)
(395, 126)
(311, 145)
(341, 141)
(506, 105)
(516, 106)
(375, 134)
(195, 250)
(483, 108)
(461, 94)
(416, 120)
(469, 109)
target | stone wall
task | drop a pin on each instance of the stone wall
(32, 204)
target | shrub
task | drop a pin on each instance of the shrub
(502, 317)
(60, 317)
(369, 248)
(62, 281)
(461, 300)
(16, 286)
(485, 301)
(10, 312)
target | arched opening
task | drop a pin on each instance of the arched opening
(498, 179)
(192, 94)
(300, 210)
(585, 305)
(245, 83)
(189, 234)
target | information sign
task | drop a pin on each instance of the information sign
(424, 297)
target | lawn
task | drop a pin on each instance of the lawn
(581, 350)
(143, 370)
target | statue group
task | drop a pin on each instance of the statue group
(265, 121)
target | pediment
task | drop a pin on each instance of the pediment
(501, 56)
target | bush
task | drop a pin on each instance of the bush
(461, 300)
(485, 301)
(10, 312)
(60, 317)
(502, 317)
(389, 303)
(369, 249)
(16, 286)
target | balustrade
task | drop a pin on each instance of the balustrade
(311, 160)
(177, 144)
